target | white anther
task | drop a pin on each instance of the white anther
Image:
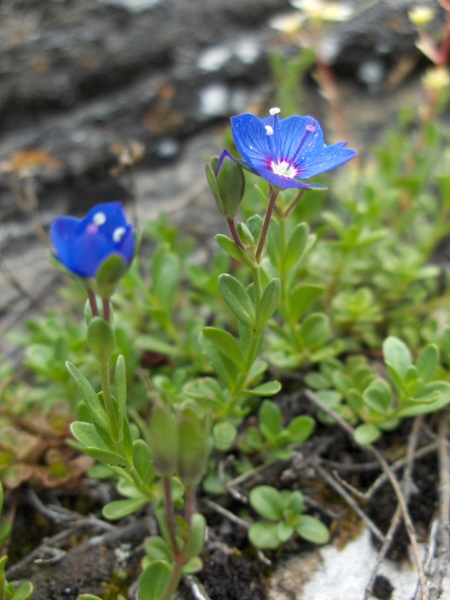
(275, 110)
(269, 129)
(118, 234)
(99, 218)
(310, 128)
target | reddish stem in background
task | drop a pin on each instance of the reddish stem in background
(293, 205)
(106, 309)
(273, 196)
(235, 234)
(445, 47)
(93, 303)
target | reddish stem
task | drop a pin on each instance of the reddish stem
(93, 303)
(293, 205)
(235, 234)
(273, 196)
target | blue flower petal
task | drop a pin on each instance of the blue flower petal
(83, 245)
(294, 148)
(329, 158)
(62, 232)
(250, 137)
(297, 141)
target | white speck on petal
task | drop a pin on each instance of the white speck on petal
(275, 110)
(99, 218)
(269, 129)
(118, 234)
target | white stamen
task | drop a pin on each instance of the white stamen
(99, 218)
(283, 168)
(274, 111)
(310, 128)
(118, 234)
(269, 129)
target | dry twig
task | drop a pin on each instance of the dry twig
(394, 482)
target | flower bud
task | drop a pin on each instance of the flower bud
(193, 443)
(421, 15)
(163, 438)
(101, 339)
(227, 182)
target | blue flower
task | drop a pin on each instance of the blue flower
(83, 245)
(286, 151)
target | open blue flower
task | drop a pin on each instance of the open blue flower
(83, 245)
(286, 151)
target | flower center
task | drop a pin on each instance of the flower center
(284, 169)
(118, 234)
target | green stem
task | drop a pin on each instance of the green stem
(257, 285)
(173, 581)
(108, 400)
(273, 197)
(106, 309)
(190, 503)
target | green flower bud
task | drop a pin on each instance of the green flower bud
(227, 182)
(163, 438)
(101, 339)
(193, 434)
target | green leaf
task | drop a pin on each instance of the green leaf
(264, 535)
(378, 397)
(269, 303)
(366, 434)
(314, 331)
(396, 356)
(151, 343)
(237, 299)
(296, 245)
(301, 299)
(23, 592)
(267, 502)
(270, 388)
(122, 508)
(88, 597)
(300, 429)
(284, 531)
(234, 250)
(87, 435)
(227, 370)
(107, 457)
(91, 399)
(293, 503)
(154, 580)
(156, 548)
(142, 461)
(165, 272)
(313, 530)
(226, 343)
(120, 381)
(270, 419)
(224, 434)
(428, 362)
(196, 539)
